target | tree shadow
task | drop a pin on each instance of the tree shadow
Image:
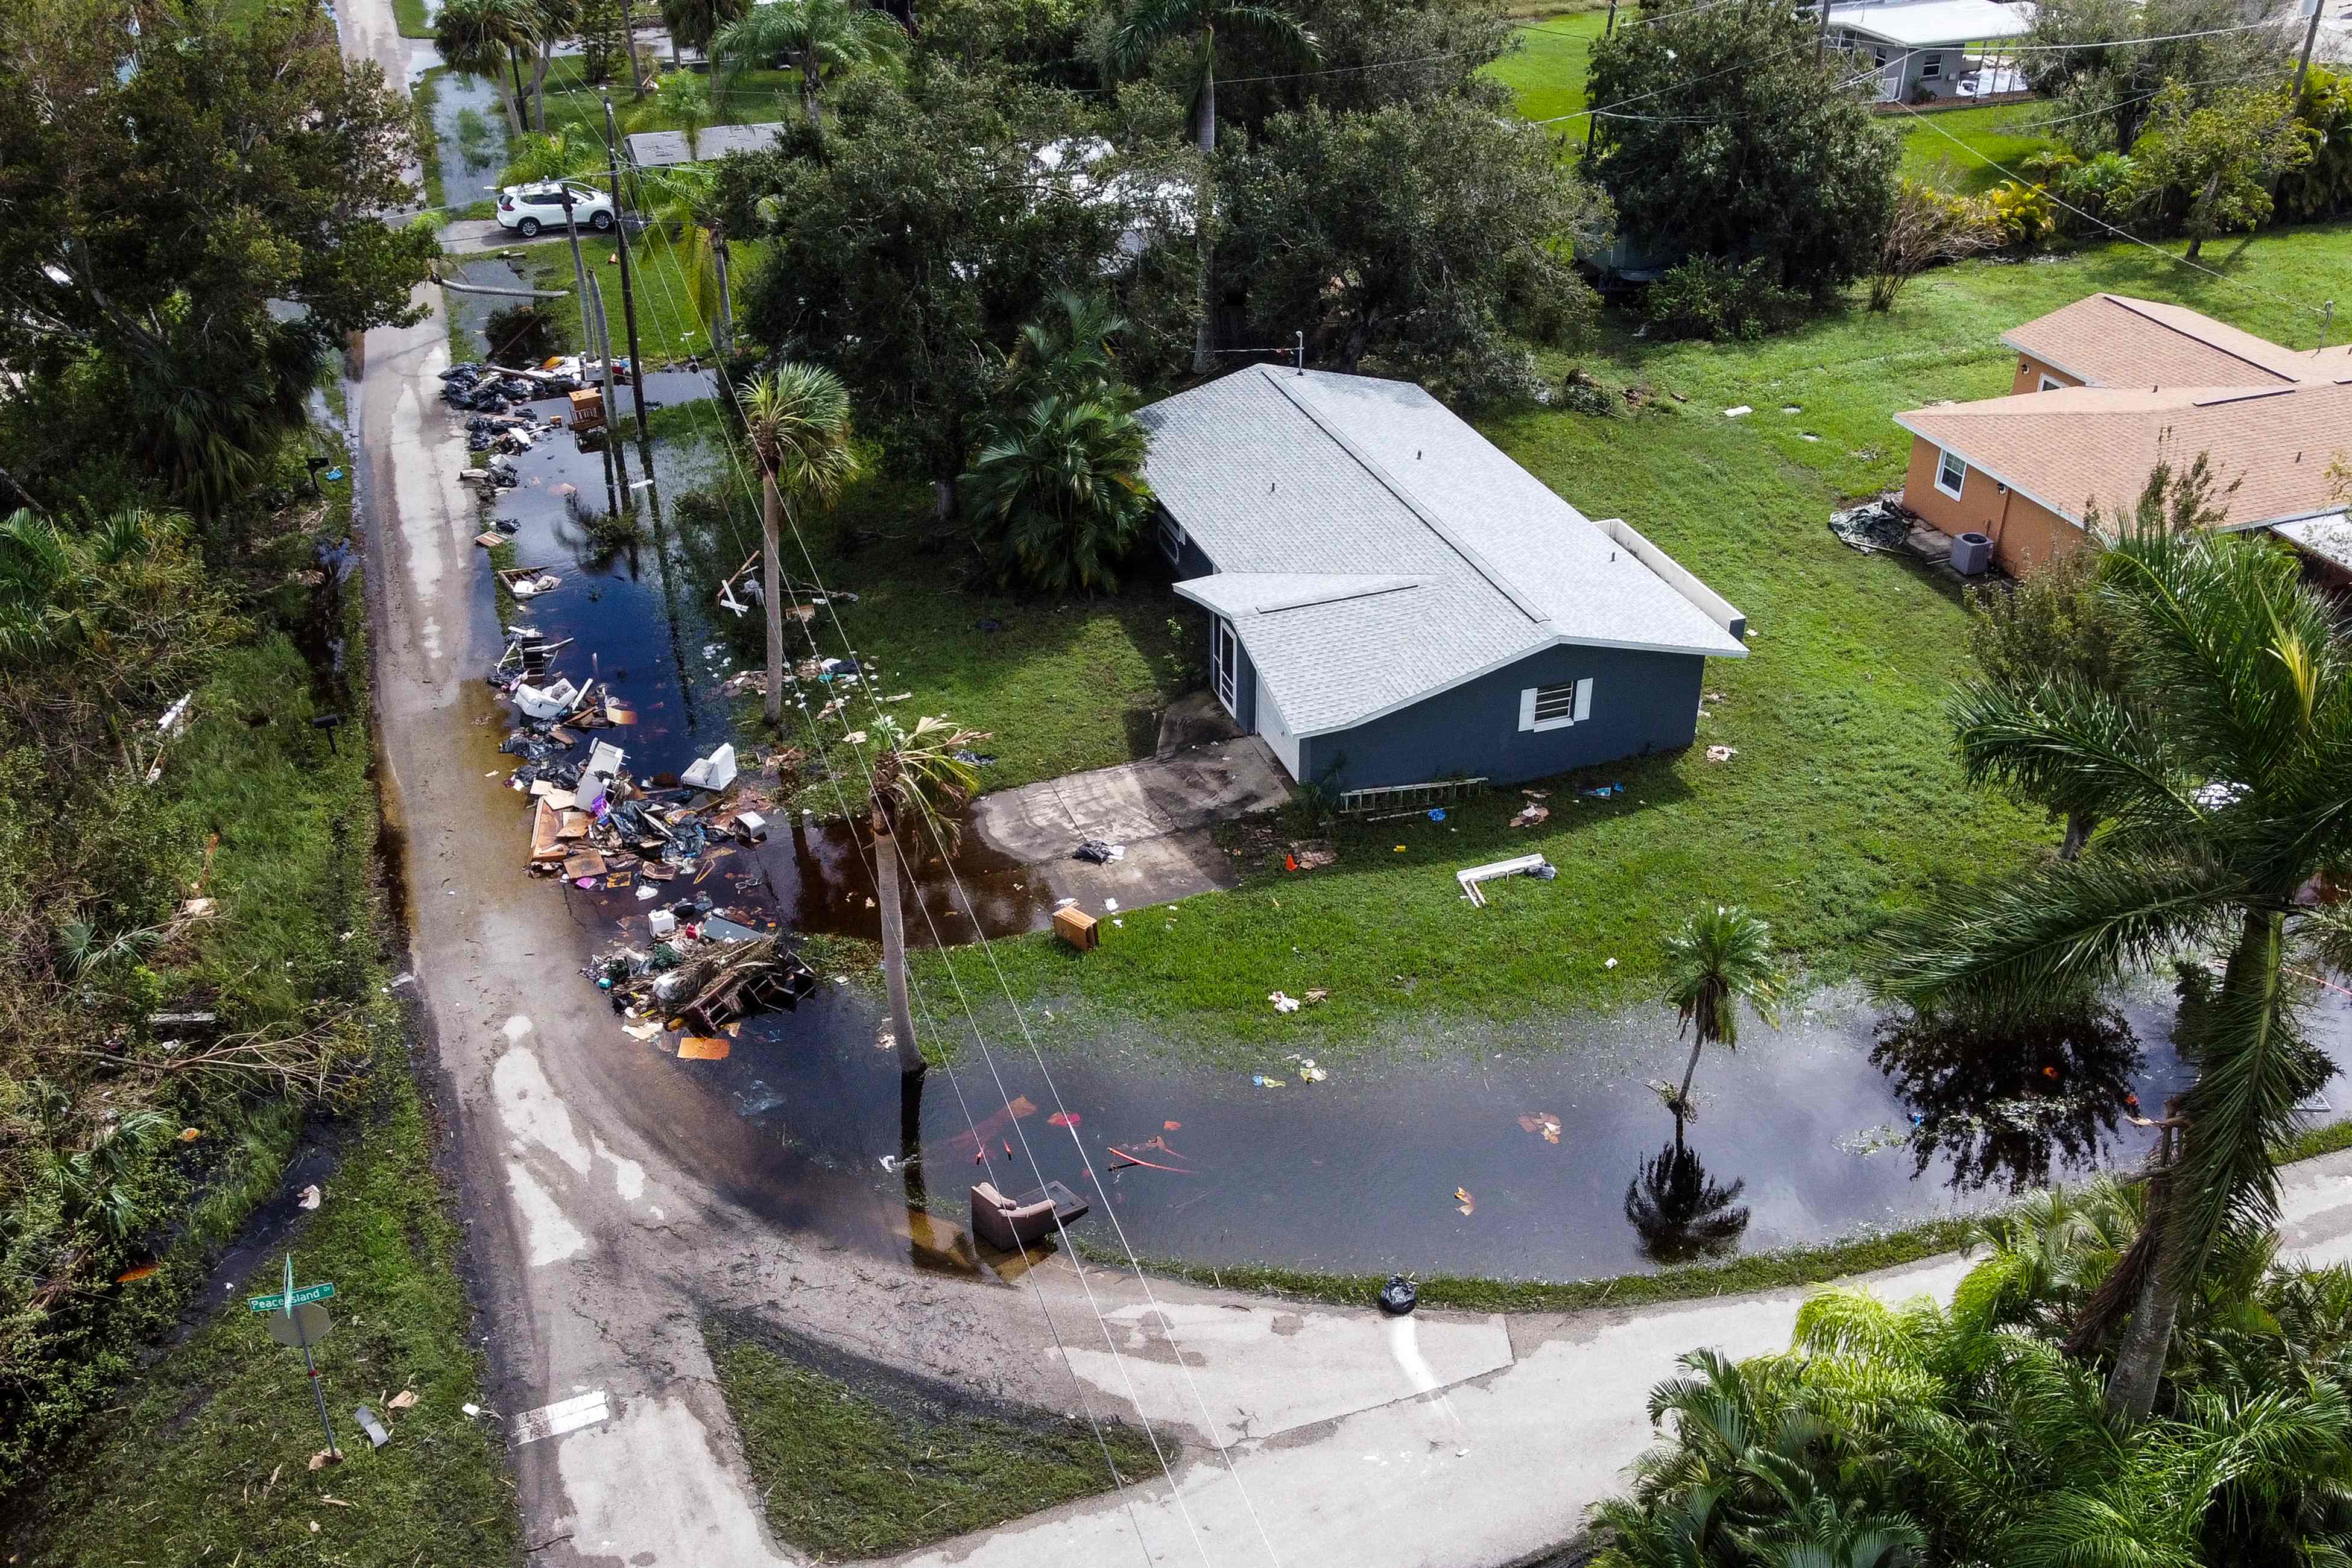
(1679, 1210)
(2008, 1102)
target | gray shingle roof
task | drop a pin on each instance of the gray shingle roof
(662, 149)
(1372, 549)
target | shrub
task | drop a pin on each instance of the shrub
(521, 334)
(2025, 213)
(1582, 393)
(1708, 297)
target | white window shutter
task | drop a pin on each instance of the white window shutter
(1527, 708)
(1584, 699)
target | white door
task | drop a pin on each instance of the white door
(1276, 730)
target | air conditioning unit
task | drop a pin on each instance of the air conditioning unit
(1971, 554)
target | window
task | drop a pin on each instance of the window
(2049, 383)
(1878, 57)
(1171, 539)
(1931, 67)
(1554, 707)
(1951, 473)
(1224, 662)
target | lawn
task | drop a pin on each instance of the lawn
(667, 327)
(1842, 803)
(1973, 141)
(1546, 72)
(855, 1463)
(412, 19)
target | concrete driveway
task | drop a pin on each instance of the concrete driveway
(1162, 811)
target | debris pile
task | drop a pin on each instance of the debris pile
(1875, 525)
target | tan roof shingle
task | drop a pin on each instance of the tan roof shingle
(2113, 340)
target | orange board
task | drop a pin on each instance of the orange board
(702, 1049)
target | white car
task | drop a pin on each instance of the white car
(527, 209)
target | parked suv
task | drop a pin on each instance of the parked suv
(527, 209)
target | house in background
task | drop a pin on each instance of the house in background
(1934, 49)
(2108, 387)
(1394, 602)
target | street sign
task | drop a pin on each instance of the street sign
(305, 1327)
(276, 1302)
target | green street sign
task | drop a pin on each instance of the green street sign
(277, 1304)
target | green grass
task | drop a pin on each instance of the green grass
(203, 1454)
(1842, 805)
(1546, 72)
(2003, 134)
(752, 98)
(667, 327)
(868, 1464)
(409, 14)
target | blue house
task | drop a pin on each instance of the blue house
(1393, 601)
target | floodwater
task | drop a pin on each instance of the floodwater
(1560, 1163)
(469, 133)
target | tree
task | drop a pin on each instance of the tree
(1066, 352)
(2217, 165)
(796, 419)
(909, 256)
(820, 39)
(2219, 769)
(159, 215)
(1058, 498)
(695, 23)
(553, 21)
(2057, 624)
(1144, 26)
(1930, 225)
(2104, 61)
(918, 773)
(1734, 142)
(484, 37)
(683, 99)
(1417, 241)
(1367, 54)
(1716, 962)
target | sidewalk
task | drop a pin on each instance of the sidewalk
(1484, 1466)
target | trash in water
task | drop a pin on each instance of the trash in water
(702, 1049)
(1173, 1126)
(1262, 1081)
(311, 1197)
(1062, 1118)
(714, 771)
(1310, 1073)
(1542, 1121)
(1464, 1200)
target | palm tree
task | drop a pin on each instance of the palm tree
(2222, 776)
(483, 38)
(821, 37)
(1067, 352)
(1714, 962)
(1137, 35)
(797, 419)
(52, 582)
(1058, 498)
(683, 205)
(556, 21)
(918, 773)
(1678, 1210)
(683, 99)
(695, 23)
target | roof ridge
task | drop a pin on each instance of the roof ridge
(2134, 305)
(1419, 509)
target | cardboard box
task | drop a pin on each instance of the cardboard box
(1076, 927)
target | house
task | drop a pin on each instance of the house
(1934, 49)
(2106, 388)
(666, 149)
(1393, 601)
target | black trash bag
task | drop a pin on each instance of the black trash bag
(1398, 1297)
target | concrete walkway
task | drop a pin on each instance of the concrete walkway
(1501, 1433)
(1159, 810)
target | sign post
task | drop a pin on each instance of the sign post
(297, 1319)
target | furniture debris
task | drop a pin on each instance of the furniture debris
(1010, 1224)
(1076, 927)
(1516, 866)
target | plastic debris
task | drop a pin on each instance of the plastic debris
(1543, 1122)
(1398, 1297)
(1062, 1118)
(404, 1400)
(310, 1198)
(1721, 753)
(1262, 1081)
(1282, 1003)
(1463, 1201)
(1436, 814)
(1531, 815)
(702, 1049)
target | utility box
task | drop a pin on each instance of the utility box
(588, 408)
(1076, 927)
(1971, 554)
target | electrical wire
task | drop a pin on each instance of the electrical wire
(728, 445)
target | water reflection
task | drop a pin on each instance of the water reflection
(1678, 1210)
(2005, 1104)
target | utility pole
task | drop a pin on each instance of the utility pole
(1593, 116)
(629, 31)
(2310, 36)
(615, 488)
(592, 320)
(1821, 38)
(723, 337)
(628, 295)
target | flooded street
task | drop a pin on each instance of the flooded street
(1558, 1164)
